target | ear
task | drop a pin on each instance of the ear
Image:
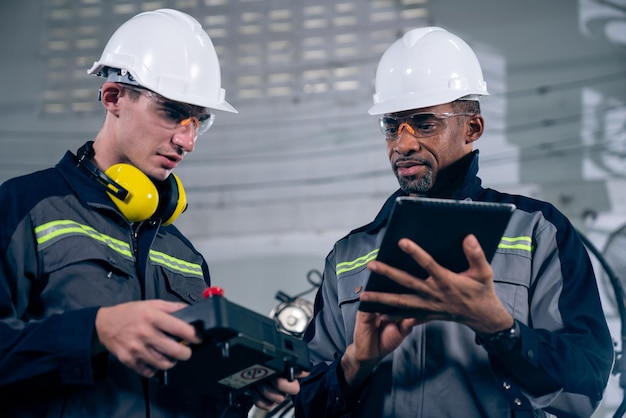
(475, 127)
(109, 96)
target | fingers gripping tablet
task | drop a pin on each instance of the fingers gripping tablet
(439, 227)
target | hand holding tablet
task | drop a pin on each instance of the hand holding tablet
(439, 227)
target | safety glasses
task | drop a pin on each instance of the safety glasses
(420, 125)
(172, 114)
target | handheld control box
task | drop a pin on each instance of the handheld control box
(240, 348)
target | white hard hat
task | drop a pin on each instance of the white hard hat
(426, 67)
(168, 52)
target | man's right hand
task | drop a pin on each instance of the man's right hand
(140, 335)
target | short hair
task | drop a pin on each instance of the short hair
(466, 106)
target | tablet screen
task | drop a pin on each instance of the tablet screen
(439, 227)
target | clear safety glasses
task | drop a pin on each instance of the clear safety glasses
(420, 125)
(172, 114)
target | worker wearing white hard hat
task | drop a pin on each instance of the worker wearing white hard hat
(521, 335)
(91, 264)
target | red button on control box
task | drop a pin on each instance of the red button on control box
(213, 291)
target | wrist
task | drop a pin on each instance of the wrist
(502, 341)
(355, 371)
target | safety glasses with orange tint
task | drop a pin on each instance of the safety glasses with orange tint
(172, 114)
(420, 125)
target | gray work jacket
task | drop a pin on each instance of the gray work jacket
(543, 276)
(65, 251)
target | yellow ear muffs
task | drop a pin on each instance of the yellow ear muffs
(142, 199)
(172, 199)
(134, 194)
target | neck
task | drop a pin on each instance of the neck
(450, 178)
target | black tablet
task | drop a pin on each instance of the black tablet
(439, 227)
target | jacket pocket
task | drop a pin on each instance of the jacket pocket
(79, 272)
(189, 289)
(350, 286)
(512, 276)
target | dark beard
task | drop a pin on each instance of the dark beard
(415, 185)
(445, 185)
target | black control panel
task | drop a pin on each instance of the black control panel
(240, 348)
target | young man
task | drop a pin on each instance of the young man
(90, 267)
(523, 336)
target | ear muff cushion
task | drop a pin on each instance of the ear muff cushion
(173, 200)
(143, 198)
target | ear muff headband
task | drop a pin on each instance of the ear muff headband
(85, 153)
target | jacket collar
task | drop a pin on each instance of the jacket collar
(88, 190)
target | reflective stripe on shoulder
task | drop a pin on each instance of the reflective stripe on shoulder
(516, 243)
(52, 232)
(523, 243)
(347, 266)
